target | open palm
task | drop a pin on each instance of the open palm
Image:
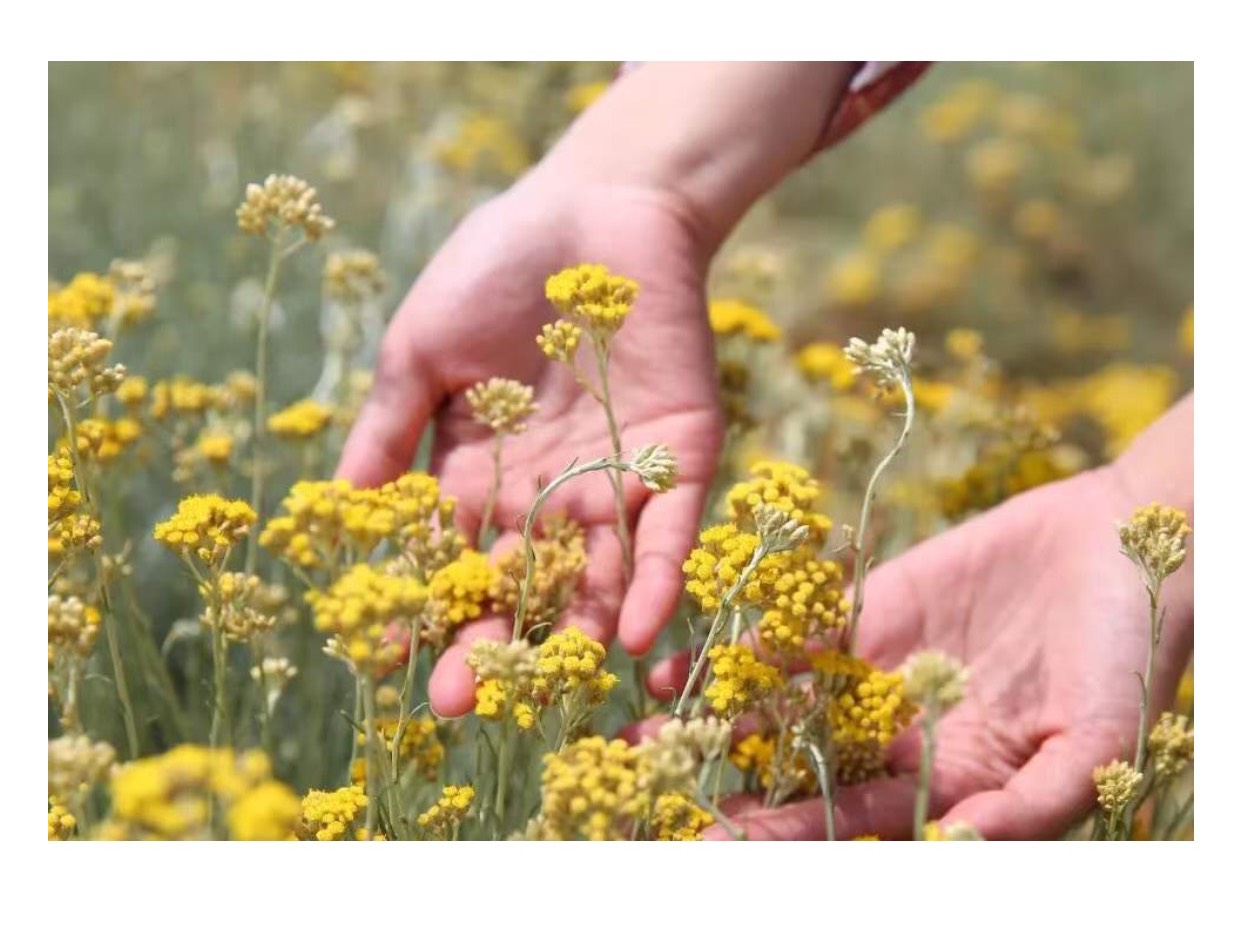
(474, 314)
(1052, 622)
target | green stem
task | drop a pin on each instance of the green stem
(1140, 746)
(618, 490)
(353, 737)
(493, 492)
(372, 751)
(528, 529)
(260, 392)
(220, 730)
(923, 794)
(717, 627)
(860, 556)
(823, 771)
(502, 770)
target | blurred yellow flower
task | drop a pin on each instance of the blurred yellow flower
(891, 227)
(854, 279)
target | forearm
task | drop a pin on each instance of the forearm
(714, 135)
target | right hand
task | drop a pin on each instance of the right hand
(474, 313)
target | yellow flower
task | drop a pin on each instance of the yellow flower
(728, 318)
(132, 392)
(206, 527)
(785, 486)
(854, 280)
(826, 362)
(72, 624)
(327, 815)
(715, 565)
(590, 790)
(60, 821)
(891, 227)
(581, 96)
(1116, 785)
(1171, 745)
(963, 344)
(739, 681)
(446, 815)
(1037, 220)
(353, 277)
(559, 340)
(956, 115)
(268, 812)
(675, 818)
(560, 561)
(570, 667)
(484, 145)
(459, 591)
(420, 747)
(84, 302)
(1155, 540)
(995, 165)
(283, 202)
(62, 497)
(592, 297)
(76, 360)
(503, 405)
(302, 420)
(357, 610)
(215, 448)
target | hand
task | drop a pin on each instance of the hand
(475, 312)
(1052, 622)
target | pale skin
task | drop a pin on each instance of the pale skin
(1034, 595)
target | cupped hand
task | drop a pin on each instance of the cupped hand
(474, 313)
(1052, 622)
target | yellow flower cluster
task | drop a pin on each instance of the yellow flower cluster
(206, 527)
(826, 362)
(891, 227)
(739, 680)
(458, 592)
(181, 396)
(214, 448)
(958, 113)
(559, 340)
(357, 610)
(1004, 469)
(420, 746)
(302, 420)
(590, 791)
(484, 144)
(560, 561)
(1116, 785)
(75, 359)
(325, 516)
(802, 596)
(327, 815)
(493, 696)
(1155, 540)
(502, 405)
(756, 753)
(244, 605)
(62, 498)
(951, 831)
(715, 566)
(592, 297)
(134, 290)
(445, 816)
(75, 764)
(506, 673)
(785, 486)
(353, 277)
(853, 280)
(71, 624)
(283, 202)
(60, 821)
(132, 392)
(729, 318)
(79, 532)
(170, 797)
(84, 302)
(872, 709)
(675, 818)
(102, 440)
(570, 666)
(1171, 745)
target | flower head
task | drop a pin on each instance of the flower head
(933, 678)
(1171, 745)
(1155, 540)
(590, 790)
(656, 467)
(503, 405)
(446, 814)
(300, 421)
(592, 297)
(76, 360)
(676, 818)
(353, 277)
(728, 318)
(357, 610)
(559, 340)
(1116, 785)
(887, 360)
(739, 680)
(283, 202)
(206, 527)
(327, 815)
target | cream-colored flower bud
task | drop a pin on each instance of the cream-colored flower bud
(502, 404)
(887, 360)
(560, 340)
(76, 357)
(75, 763)
(777, 529)
(656, 467)
(1172, 745)
(670, 762)
(1154, 539)
(353, 277)
(934, 678)
(283, 201)
(507, 661)
(1116, 785)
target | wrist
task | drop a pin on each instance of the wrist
(709, 138)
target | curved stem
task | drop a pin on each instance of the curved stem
(618, 490)
(860, 556)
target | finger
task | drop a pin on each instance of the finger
(636, 732)
(892, 621)
(1044, 798)
(666, 531)
(384, 439)
(593, 609)
(881, 807)
(451, 688)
